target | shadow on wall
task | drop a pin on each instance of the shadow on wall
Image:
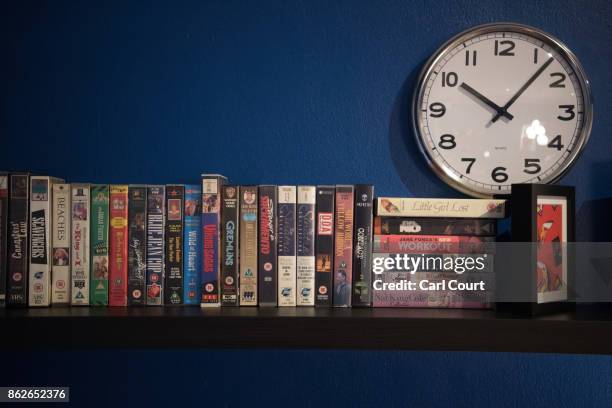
(594, 218)
(409, 163)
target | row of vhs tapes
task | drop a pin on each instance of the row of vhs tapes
(94, 244)
(286, 245)
(212, 244)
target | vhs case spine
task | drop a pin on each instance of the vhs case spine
(268, 268)
(79, 244)
(118, 245)
(175, 195)
(41, 220)
(60, 272)
(343, 257)
(305, 243)
(137, 245)
(248, 246)
(4, 236)
(434, 226)
(229, 245)
(192, 242)
(99, 263)
(18, 240)
(428, 244)
(324, 252)
(440, 207)
(362, 246)
(155, 244)
(211, 223)
(286, 245)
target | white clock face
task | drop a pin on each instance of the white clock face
(500, 105)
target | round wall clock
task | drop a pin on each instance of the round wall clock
(499, 104)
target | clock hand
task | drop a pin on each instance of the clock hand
(486, 100)
(523, 88)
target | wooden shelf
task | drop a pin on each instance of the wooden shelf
(374, 329)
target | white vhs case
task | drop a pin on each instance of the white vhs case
(60, 270)
(305, 270)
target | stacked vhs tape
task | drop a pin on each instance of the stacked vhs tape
(437, 237)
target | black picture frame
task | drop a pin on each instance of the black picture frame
(517, 263)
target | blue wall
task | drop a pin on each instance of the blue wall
(278, 92)
(299, 378)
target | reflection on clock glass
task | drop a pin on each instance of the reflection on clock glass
(501, 108)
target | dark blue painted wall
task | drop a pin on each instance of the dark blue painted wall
(282, 92)
(291, 379)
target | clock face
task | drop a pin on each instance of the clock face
(502, 104)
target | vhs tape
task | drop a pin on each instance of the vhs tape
(230, 236)
(421, 299)
(286, 245)
(305, 243)
(343, 257)
(433, 290)
(4, 198)
(324, 251)
(41, 199)
(156, 196)
(434, 226)
(60, 270)
(18, 240)
(175, 195)
(79, 244)
(137, 245)
(99, 263)
(192, 242)
(440, 207)
(362, 246)
(118, 245)
(267, 246)
(248, 246)
(211, 221)
(427, 244)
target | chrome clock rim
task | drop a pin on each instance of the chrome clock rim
(446, 174)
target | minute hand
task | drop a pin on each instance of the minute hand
(523, 88)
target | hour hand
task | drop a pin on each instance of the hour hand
(498, 109)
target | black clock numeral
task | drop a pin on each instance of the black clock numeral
(559, 82)
(437, 110)
(556, 143)
(569, 109)
(470, 57)
(471, 161)
(532, 166)
(535, 55)
(450, 79)
(499, 175)
(447, 142)
(506, 52)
